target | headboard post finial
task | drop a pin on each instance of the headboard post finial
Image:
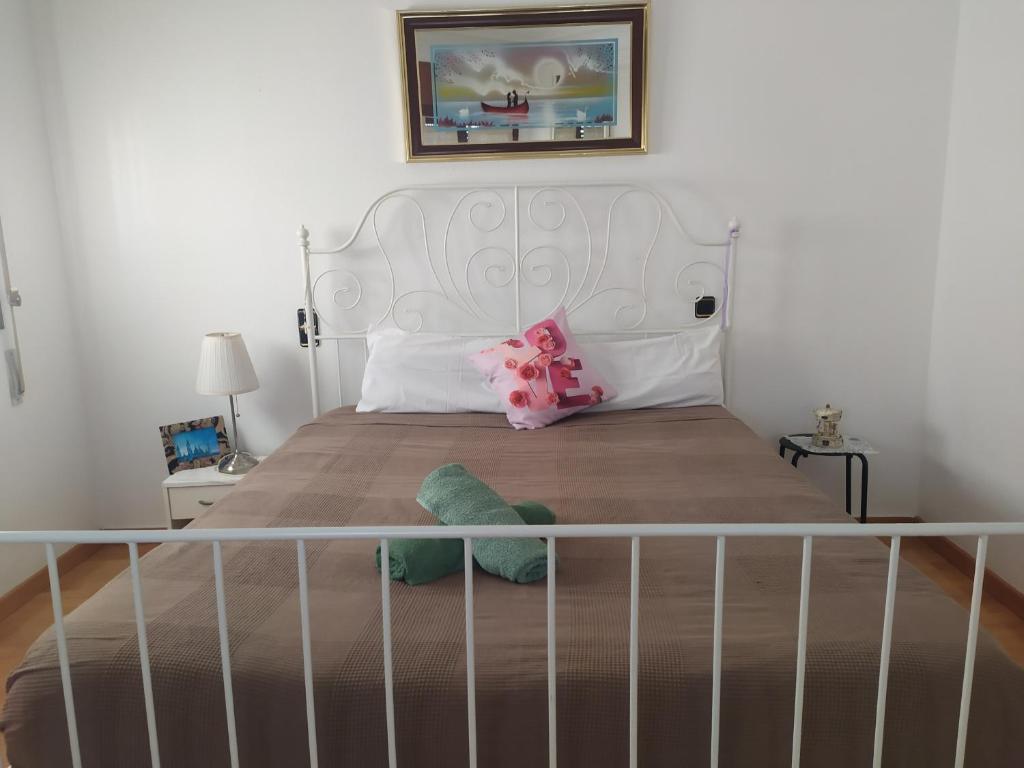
(303, 234)
(734, 227)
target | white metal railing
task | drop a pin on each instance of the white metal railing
(719, 532)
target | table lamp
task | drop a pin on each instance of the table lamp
(225, 369)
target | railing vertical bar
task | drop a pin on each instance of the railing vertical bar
(801, 651)
(552, 660)
(62, 655)
(634, 646)
(147, 679)
(389, 679)
(225, 653)
(341, 374)
(307, 651)
(716, 654)
(516, 269)
(470, 653)
(883, 665)
(972, 647)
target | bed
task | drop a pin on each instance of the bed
(659, 466)
(678, 465)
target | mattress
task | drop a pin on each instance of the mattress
(673, 465)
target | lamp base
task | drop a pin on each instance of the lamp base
(237, 463)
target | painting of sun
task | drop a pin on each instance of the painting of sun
(525, 85)
(567, 80)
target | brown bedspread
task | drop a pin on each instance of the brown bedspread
(679, 465)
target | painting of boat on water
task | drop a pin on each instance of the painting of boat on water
(569, 80)
(525, 85)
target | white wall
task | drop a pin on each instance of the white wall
(975, 413)
(193, 137)
(45, 478)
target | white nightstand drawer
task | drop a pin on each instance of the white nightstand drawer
(189, 502)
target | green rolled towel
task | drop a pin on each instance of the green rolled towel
(419, 561)
(455, 497)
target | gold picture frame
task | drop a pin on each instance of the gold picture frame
(585, 69)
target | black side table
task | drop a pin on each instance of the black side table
(800, 444)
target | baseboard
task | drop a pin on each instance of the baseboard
(39, 582)
(995, 585)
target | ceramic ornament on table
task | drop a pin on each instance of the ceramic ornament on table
(827, 434)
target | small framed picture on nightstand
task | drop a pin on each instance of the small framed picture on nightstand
(194, 444)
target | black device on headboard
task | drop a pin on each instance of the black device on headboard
(704, 307)
(303, 336)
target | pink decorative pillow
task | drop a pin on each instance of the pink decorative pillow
(541, 376)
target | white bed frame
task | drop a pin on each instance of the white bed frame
(487, 260)
(515, 245)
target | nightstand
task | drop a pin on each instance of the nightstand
(801, 446)
(190, 493)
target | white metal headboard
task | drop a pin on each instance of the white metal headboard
(489, 260)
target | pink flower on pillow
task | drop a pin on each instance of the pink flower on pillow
(528, 372)
(543, 375)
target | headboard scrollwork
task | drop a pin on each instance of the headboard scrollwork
(488, 260)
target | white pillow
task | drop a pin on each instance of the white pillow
(431, 372)
(664, 372)
(424, 373)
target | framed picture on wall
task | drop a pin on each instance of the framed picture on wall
(565, 80)
(193, 444)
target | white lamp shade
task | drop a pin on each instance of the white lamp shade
(224, 366)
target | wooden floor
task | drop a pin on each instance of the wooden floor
(22, 627)
(1002, 623)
